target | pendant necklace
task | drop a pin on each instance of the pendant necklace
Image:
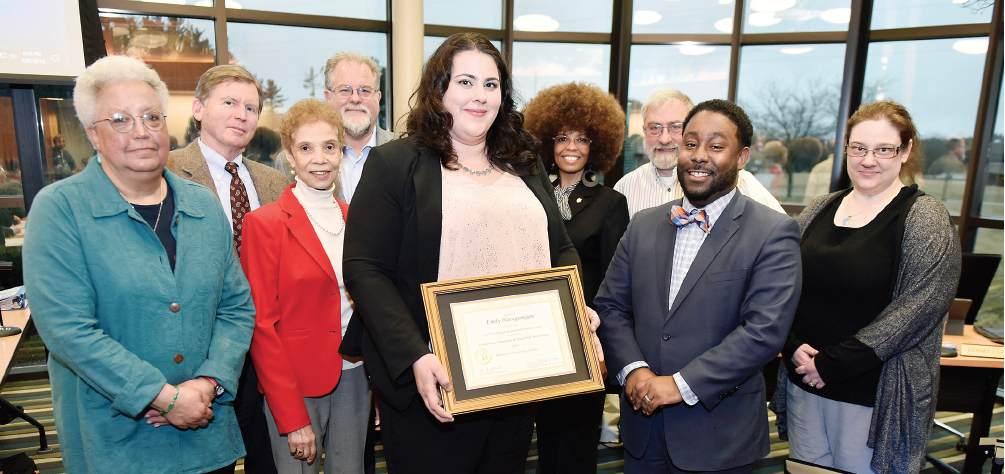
(848, 206)
(159, 208)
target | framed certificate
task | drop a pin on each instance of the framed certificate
(511, 339)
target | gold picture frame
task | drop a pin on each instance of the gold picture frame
(510, 339)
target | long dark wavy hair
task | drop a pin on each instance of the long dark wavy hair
(508, 145)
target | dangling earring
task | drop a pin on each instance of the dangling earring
(98, 158)
(590, 178)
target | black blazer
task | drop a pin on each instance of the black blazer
(392, 245)
(599, 219)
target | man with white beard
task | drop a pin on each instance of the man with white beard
(655, 183)
(352, 85)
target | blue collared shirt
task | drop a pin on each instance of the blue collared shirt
(351, 168)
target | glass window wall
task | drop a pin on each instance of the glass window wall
(791, 94)
(581, 16)
(540, 65)
(662, 17)
(792, 16)
(916, 13)
(939, 81)
(482, 14)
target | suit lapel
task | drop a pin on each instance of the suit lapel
(581, 198)
(428, 183)
(255, 169)
(303, 230)
(194, 167)
(721, 232)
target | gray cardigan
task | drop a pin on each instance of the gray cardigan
(906, 336)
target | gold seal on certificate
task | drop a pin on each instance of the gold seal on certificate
(510, 339)
(520, 337)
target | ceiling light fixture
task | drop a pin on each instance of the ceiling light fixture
(535, 22)
(839, 16)
(972, 46)
(646, 17)
(763, 19)
(691, 48)
(771, 6)
(801, 50)
(725, 25)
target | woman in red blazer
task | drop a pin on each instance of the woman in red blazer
(292, 255)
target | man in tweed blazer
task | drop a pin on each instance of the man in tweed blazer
(226, 109)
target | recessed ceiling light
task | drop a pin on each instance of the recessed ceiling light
(836, 15)
(535, 22)
(972, 46)
(694, 49)
(771, 6)
(725, 25)
(801, 50)
(763, 19)
(646, 17)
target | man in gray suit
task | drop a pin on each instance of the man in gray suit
(352, 85)
(699, 296)
(226, 109)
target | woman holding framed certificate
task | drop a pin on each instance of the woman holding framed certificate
(463, 196)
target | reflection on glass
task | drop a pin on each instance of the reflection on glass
(179, 49)
(11, 194)
(367, 10)
(582, 16)
(67, 149)
(990, 241)
(914, 13)
(430, 43)
(791, 94)
(701, 76)
(994, 197)
(290, 63)
(661, 16)
(483, 14)
(540, 65)
(940, 86)
(790, 16)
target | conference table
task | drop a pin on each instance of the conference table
(970, 385)
(9, 345)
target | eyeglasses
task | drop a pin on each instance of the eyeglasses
(581, 142)
(654, 129)
(883, 152)
(123, 123)
(345, 92)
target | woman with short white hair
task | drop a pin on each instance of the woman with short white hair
(137, 293)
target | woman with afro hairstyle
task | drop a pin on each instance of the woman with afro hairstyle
(582, 131)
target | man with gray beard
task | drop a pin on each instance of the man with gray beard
(352, 85)
(655, 183)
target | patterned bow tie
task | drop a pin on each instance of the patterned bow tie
(680, 218)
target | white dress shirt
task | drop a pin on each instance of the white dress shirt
(221, 178)
(351, 168)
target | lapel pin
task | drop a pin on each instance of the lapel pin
(579, 200)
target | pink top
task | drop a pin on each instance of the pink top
(490, 229)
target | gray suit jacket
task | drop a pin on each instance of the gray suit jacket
(383, 136)
(729, 318)
(189, 163)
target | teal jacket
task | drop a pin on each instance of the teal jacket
(100, 291)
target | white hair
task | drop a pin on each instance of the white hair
(112, 70)
(352, 57)
(662, 96)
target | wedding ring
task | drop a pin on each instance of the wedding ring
(650, 400)
(812, 384)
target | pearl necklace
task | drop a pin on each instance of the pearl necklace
(341, 218)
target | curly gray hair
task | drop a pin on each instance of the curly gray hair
(112, 70)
